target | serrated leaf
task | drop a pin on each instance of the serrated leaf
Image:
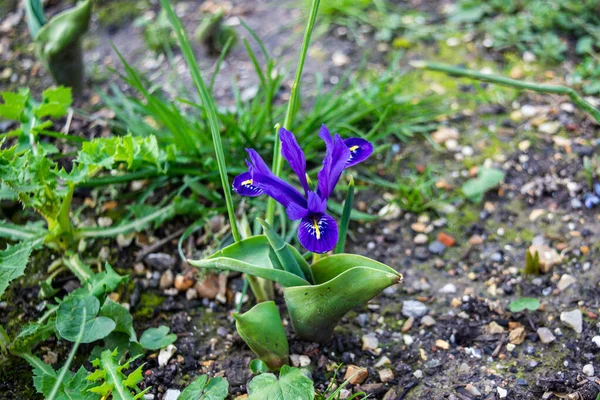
(13, 261)
(55, 102)
(205, 388)
(157, 338)
(101, 283)
(115, 382)
(76, 311)
(14, 104)
(291, 385)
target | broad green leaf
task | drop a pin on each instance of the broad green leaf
(157, 338)
(102, 282)
(121, 316)
(76, 311)
(115, 382)
(205, 388)
(291, 385)
(62, 30)
(282, 250)
(316, 310)
(258, 366)
(262, 330)
(524, 303)
(34, 14)
(329, 267)
(14, 104)
(13, 261)
(55, 102)
(122, 343)
(487, 179)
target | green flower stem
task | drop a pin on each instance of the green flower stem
(294, 102)
(213, 122)
(500, 80)
(341, 244)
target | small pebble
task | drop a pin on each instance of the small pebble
(573, 319)
(588, 369)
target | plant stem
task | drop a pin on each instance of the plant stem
(500, 80)
(341, 244)
(209, 106)
(293, 104)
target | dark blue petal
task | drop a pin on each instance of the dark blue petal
(597, 188)
(284, 193)
(336, 156)
(243, 185)
(360, 150)
(296, 212)
(315, 203)
(259, 164)
(318, 233)
(291, 151)
(591, 200)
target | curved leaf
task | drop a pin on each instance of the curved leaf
(76, 312)
(316, 310)
(262, 330)
(329, 267)
(205, 388)
(157, 338)
(284, 278)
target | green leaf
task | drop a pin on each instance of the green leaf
(256, 257)
(205, 388)
(121, 316)
(262, 330)
(13, 261)
(14, 104)
(524, 303)
(344, 281)
(116, 383)
(34, 13)
(258, 366)
(282, 250)
(31, 335)
(101, 283)
(291, 385)
(76, 311)
(487, 179)
(157, 338)
(55, 102)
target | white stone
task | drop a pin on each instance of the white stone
(449, 288)
(588, 369)
(304, 361)
(573, 319)
(565, 281)
(418, 374)
(172, 394)
(596, 340)
(421, 238)
(370, 342)
(546, 335)
(502, 393)
(165, 355)
(413, 308)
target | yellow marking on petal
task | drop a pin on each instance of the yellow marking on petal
(353, 148)
(247, 182)
(317, 230)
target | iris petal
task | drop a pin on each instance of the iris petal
(257, 161)
(318, 233)
(360, 150)
(291, 151)
(243, 185)
(281, 191)
(336, 156)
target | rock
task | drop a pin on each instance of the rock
(573, 319)
(588, 370)
(304, 361)
(421, 238)
(546, 335)
(345, 394)
(473, 390)
(449, 288)
(550, 127)
(436, 247)
(421, 253)
(596, 340)
(386, 375)
(510, 347)
(548, 256)
(166, 280)
(183, 282)
(209, 287)
(191, 294)
(383, 361)
(565, 281)
(339, 59)
(413, 308)
(502, 393)
(408, 324)
(370, 342)
(443, 134)
(418, 374)
(517, 335)
(535, 214)
(160, 261)
(356, 375)
(165, 355)
(428, 321)
(476, 240)
(172, 394)
(442, 344)
(493, 328)
(418, 227)
(446, 239)
(452, 145)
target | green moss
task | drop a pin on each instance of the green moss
(148, 304)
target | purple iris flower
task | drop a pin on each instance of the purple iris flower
(318, 231)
